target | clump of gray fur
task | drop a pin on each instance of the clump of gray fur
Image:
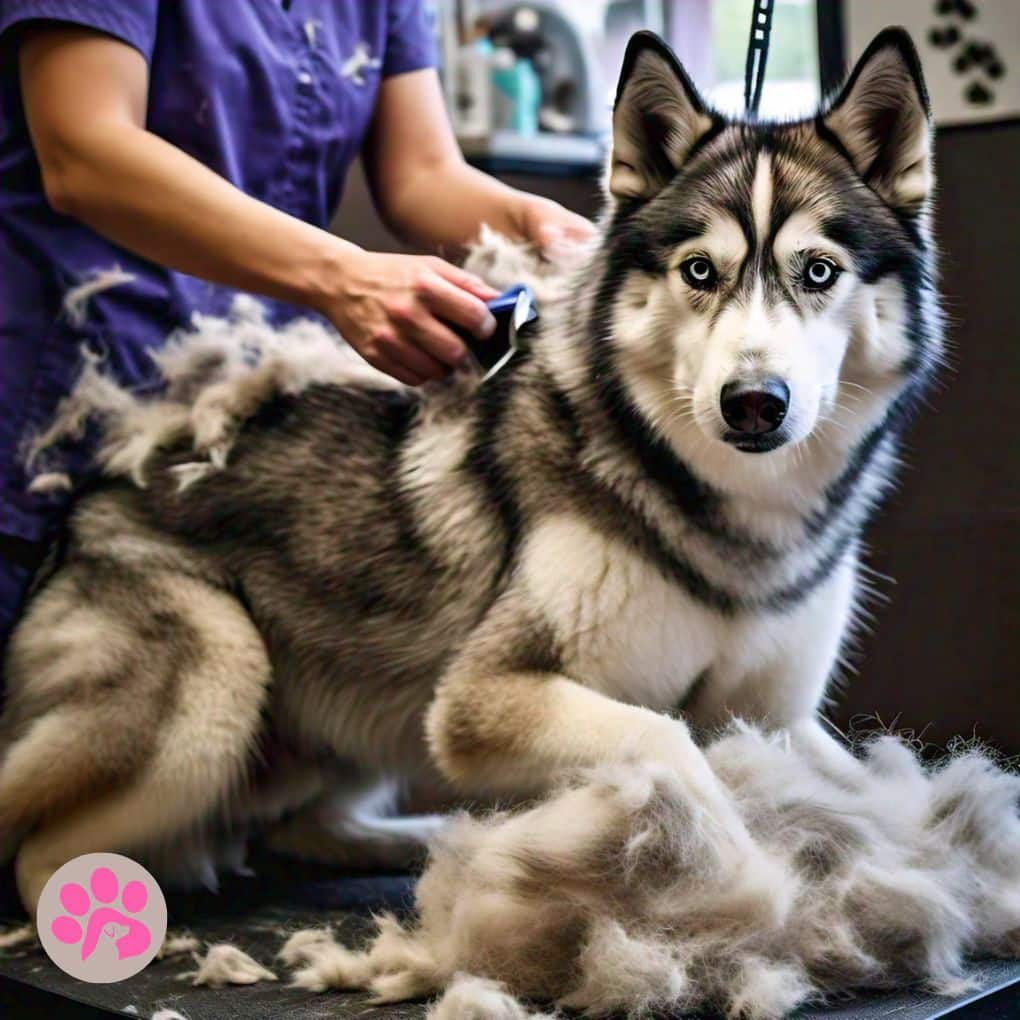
(608, 898)
(215, 375)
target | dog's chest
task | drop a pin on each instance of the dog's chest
(622, 628)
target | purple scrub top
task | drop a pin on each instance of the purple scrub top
(275, 96)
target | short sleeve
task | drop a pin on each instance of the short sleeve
(410, 37)
(131, 21)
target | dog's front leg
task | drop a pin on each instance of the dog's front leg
(505, 722)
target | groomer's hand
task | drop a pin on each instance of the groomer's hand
(393, 310)
(547, 225)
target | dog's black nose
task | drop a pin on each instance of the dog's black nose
(756, 408)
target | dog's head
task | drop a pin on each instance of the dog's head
(755, 270)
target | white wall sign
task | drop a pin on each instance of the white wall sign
(970, 50)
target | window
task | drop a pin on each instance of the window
(710, 37)
(577, 48)
(791, 75)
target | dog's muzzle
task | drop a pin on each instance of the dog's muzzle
(754, 412)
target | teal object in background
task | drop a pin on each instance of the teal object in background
(520, 83)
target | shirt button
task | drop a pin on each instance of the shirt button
(304, 78)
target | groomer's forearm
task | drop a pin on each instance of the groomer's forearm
(445, 205)
(152, 198)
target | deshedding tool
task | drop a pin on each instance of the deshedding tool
(513, 310)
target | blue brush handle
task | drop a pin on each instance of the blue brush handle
(488, 352)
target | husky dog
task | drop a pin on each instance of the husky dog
(657, 506)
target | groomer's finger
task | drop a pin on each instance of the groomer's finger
(378, 356)
(407, 351)
(463, 279)
(414, 321)
(436, 339)
(453, 304)
(398, 371)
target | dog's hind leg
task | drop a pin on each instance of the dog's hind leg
(356, 830)
(134, 702)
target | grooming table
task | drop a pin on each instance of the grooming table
(256, 914)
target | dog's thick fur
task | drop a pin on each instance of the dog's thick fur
(480, 587)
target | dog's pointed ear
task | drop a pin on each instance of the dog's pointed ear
(657, 118)
(882, 119)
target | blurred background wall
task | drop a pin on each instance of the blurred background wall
(942, 656)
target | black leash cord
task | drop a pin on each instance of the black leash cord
(757, 54)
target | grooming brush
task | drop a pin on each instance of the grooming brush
(513, 310)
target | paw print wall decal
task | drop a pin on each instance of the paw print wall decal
(963, 8)
(972, 57)
(970, 50)
(943, 38)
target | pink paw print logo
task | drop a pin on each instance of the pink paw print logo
(101, 917)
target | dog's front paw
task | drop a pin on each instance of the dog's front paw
(753, 880)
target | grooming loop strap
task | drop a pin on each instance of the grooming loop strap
(757, 54)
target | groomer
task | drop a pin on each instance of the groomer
(201, 146)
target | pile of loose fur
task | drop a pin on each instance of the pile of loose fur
(608, 898)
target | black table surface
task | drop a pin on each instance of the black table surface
(256, 914)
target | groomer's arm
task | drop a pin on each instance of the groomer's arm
(427, 193)
(85, 96)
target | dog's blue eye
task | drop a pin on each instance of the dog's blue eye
(820, 274)
(699, 273)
